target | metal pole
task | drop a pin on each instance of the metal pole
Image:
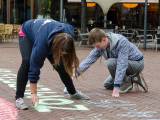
(38, 7)
(32, 9)
(14, 12)
(159, 13)
(1, 15)
(8, 11)
(105, 21)
(24, 12)
(83, 16)
(145, 22)
(61, 10)
(64, 14)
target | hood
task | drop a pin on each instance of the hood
(69, 29)
(57, 29)
(63, 27)
(113, 39)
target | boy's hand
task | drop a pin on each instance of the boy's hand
(115, 92)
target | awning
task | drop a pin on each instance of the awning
(139, 1)
(126, 1)
(79, 1)
(105, 7)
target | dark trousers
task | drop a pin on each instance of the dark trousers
(25, 47)
(134, 67)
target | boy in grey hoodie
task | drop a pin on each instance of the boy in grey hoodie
(122, 58)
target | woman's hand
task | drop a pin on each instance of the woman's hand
(34, 99)
(115, 92)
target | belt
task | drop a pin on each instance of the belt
(141, 58)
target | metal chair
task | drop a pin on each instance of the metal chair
(15, 31)
(157, 39)
(83, 39)
(2, 31)
(8, 32)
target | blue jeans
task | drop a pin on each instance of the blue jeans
(25, 46)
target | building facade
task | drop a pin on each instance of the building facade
(129, 14)
(18, 11)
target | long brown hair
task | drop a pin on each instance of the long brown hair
(63, 50)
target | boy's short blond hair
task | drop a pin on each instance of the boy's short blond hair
(96, 35)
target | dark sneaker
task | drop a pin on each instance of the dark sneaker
(108, 83)
(20, 104)
(79, 96)
(139, 79)
(126, 86)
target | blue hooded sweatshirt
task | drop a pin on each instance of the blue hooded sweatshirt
(41, 32)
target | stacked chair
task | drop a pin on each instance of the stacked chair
(8, 32)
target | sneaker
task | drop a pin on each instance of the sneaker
(65, 91)
(126, 86)
(79, 96)
(140, 81)
(20, 104)
(108, 83)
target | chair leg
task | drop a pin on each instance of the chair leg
(156, 47)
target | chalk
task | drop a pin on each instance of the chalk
(41, 108)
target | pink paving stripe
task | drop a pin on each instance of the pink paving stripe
(7, 110)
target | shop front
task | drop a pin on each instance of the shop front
(15, 11)
(129, 13)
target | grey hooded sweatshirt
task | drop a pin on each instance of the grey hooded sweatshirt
(119, 48)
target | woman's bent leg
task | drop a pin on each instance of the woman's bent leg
(66, 79)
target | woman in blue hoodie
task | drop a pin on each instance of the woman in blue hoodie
(40, 39)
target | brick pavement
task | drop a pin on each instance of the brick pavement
(56, 106)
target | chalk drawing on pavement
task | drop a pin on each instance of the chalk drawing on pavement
(48, 99)
(94, 116)
(129, 108)
(133, 114)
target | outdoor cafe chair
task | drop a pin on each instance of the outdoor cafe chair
(150, 41)
(83, 39)
(2, 36)
(157, 39)
(8, 28)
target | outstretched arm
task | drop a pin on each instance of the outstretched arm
(90, 59)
